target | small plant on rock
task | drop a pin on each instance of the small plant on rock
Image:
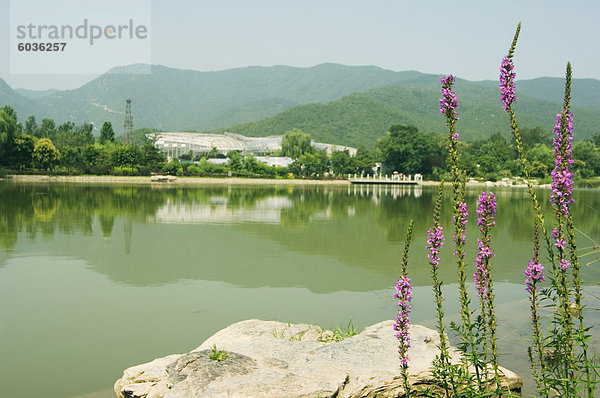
(218, 355)
(278, 334)
(341, 332)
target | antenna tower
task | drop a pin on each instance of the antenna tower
(128, 125)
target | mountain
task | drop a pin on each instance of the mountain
(24, 106)
(35, 94)
(173, 99)
(336, 103)
(359, 119)
(586, 92)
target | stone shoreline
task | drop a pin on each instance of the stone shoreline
(205, 181)
(177, 181)
(268, 359)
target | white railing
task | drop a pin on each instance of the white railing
(382, 179)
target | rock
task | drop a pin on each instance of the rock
(159, 178)
(274, 359)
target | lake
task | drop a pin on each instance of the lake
(95, 279)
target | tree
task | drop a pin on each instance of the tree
(45, 154)
(67, 126)
(295, 143)
(23, 151)
(587, 153)
(31, 126)
(151, 156)
(69, 135)
(536, 135)
(139, 137)
(9, 113)
(124, 155)
(365, 160)
(72, 159)
(253, 166)
(404, 150)
(491, 154)
(173, 167)
(47, 128)
(214, 152)
(84, 132)
(106, 133)
(541, 157)
(311, 164)
(8, 133)
(235, 161)
(342, 163)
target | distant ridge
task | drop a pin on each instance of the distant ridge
(359, 119)
(586, 92)
(185, 100)
(23, 105)
(35, 94)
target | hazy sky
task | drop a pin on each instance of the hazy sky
(466, 38)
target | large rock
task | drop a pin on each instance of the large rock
(274, 359)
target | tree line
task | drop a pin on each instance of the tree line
(72, 149)
(409, 151)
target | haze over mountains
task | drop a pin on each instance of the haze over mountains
(339, 104)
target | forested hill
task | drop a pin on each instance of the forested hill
(25, 106)
(366, 101)
(174, 99)
(359, 119)
(586, 92)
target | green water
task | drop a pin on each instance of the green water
(94, 279)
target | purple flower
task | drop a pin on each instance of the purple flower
(564, 264)
(560, 243)
(561, 194)
(448, 103)
(562, 177)
(404, 296)
(462, 219)
(482, 270)
(486, 210)
(534, 274)
(435, 241)
(507, 83)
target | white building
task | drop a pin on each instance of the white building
(175, 144)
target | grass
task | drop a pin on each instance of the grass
(336, 334)
(278, 334)
(345, 332)
(339, 333)
(217, 355)
(296, 337)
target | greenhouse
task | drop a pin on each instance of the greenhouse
(175, 144)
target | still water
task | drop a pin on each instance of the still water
(94, 279)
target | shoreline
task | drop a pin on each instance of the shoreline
(177, 181)
(40, 178)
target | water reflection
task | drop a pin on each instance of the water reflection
(219, 210)
(376, 191)
(213, 233)
(124, 274)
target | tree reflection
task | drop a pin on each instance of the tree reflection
(358, 227)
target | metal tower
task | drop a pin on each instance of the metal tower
(128, 125)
